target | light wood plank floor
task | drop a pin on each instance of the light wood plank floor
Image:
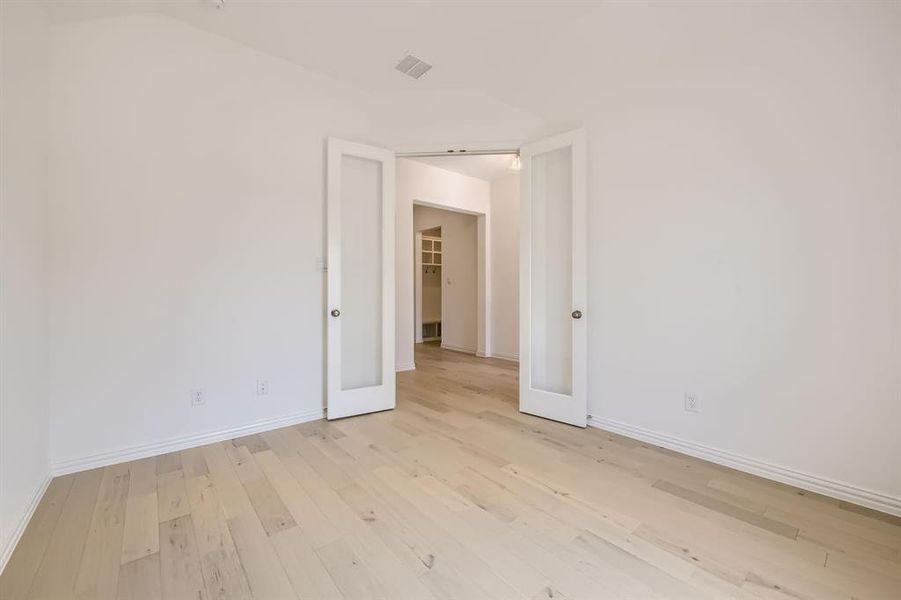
(453, 495)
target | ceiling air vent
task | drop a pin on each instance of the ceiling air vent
(412, 66)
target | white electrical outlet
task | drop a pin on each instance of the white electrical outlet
(197, 398)
(262, 387)
(692, 404)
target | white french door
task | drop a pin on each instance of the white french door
(360, 199)
(553, 289)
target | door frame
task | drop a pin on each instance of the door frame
(417, 285)
(483, 278)
(406, 354)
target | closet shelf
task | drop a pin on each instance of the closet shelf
(431, 251)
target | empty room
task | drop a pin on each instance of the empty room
(512, 299)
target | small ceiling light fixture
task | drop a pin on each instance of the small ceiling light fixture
(413, 66)
(218, 3)
(516, 163)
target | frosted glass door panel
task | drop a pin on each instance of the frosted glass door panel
(551, 262)
(361, 272)
(360, 299)
(552, 275)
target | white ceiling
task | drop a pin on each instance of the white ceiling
(472, 46)
(487, 168)
(548, 64)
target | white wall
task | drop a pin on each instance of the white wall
(425, 184)
(745, 228)
(743, 208)
(187, 214)
(459, 274)
(505, 266)
(24, 446)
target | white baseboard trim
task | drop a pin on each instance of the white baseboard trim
(404, 367)
(458, 348)
(181, 443)
(814, 483)
(10, 545)
(502, 356)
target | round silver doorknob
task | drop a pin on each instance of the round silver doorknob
(577, 314)
(336, 312)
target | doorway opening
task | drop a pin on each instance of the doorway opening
(371, 195)
(448, 294)
(462, 230)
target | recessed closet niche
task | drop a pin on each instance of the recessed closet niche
(431, 284)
